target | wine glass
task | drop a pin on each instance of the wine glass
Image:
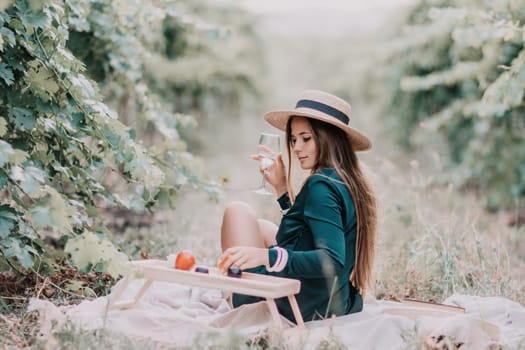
(267, 154)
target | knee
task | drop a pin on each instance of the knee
(238, 208)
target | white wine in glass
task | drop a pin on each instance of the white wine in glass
(267, 153)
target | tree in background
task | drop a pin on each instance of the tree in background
(458, 69)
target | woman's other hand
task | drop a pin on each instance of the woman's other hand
(243, 257)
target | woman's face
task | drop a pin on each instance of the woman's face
(303, 143)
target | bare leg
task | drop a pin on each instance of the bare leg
(268, 231)
(240, 227)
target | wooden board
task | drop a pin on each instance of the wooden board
(413, 309)
(433, 306)
(250, 283)
(414, 312)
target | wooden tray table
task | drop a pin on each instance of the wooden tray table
(264, 286)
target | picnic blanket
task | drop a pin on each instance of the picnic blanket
(176, 315)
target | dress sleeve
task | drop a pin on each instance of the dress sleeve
(323, 214)
(284, 201)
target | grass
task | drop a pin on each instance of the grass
(435, 241)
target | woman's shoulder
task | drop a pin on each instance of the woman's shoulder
(326, 175)
(327, 184)
(323, 177)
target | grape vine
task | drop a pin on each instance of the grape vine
(86, 124)
(460, 72)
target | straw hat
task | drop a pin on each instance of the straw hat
(325, 107)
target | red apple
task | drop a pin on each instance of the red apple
(185, 260)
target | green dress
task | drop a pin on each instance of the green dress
(319, 233)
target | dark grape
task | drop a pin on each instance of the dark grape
(234, 271)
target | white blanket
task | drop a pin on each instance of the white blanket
(179, 315)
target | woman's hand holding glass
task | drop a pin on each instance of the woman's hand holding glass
(273, 172)
(269, 147)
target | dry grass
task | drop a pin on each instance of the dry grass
(435, 241)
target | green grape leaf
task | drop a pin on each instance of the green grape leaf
(8, 154)
(41, 217)
(78, 287)
(82, 88)
(3, 126)
(51, 210)
(36, 5)
(41, 81)
(6, 151)
(88, 249)
(78, 120)
(105, 112)
(18, 157)
(143, 170)
(29, 18)
(167, 197)
(8, 36)
(32, 180)
(22, 253)
(8, 219)
(5, 72)
(45, 158)
(38, 20)
(24, 118)
(74, 286)
(59, 211)
(3, 179)
(117, 265)
(66, 61)
(112, 137)
(129, 202)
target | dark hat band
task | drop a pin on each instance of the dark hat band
(321, 107)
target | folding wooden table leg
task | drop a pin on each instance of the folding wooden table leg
(131, 303)
(118, 292)
(296, 311)
(274, 312)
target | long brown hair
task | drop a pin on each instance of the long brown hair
(335, 151)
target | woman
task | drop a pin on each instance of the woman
(326, 235)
